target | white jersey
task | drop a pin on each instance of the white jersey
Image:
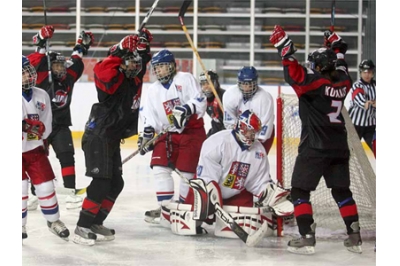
(262, 104)
(36, 108)
(222, 160)
(159, 102)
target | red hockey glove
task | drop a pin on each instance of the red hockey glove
(127, 44)
(34, 127)
(46, 32)
(85, 40)
(144, 42)
(282, 42)
(335, 42)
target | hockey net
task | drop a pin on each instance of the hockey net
(362, 175)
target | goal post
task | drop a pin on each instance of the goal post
(362, 175)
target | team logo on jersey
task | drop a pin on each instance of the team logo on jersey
(36, 118)
(178, 87)
(60, 98)
(41, 106)
(199, 170)
(237, 175)
(259, 155)
(136, 100)
(169, 106)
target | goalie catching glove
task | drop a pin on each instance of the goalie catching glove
(144, 137)
(282, 42)
(276, 199)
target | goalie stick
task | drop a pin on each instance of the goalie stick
(182, 12)
(249, 240)
(147, 144)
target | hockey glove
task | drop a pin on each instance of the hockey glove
(181, 115)
(39, 39)
(127, 45)
(282, 42)
(144, 42)
(85, 40)
(34, 127)
(144, 137)
(335, 42)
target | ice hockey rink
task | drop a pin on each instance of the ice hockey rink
(140, 243)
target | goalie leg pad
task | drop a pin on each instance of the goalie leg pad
(182, 222)
(250, 219)
(200, 199)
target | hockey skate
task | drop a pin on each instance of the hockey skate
(304, 244)
(84, 236)
(106, 233)
(24, 234)
(74, 198)
(59, 229)
(151, 216)
(33, 202)
(353, 242)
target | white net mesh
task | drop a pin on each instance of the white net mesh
(363, 178)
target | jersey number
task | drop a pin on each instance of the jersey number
(333, 117)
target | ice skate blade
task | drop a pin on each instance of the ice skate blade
(355, 249)
(101, 238)
(152, 220)
(307, 250)
(83, 241)
(73, 206)
(63, 238)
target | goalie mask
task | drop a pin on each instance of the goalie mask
(248, 125)
(29, 74)
(205, 86)
(133, 64)
(58, 65)
(163, 65)
(247, 82)
(323, 58)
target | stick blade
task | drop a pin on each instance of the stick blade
(184, 8)
(258, 235)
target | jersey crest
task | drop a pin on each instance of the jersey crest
(237, 175)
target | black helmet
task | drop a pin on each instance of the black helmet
(214, 79)
(366, 65)
(58, 65)
(324, 58)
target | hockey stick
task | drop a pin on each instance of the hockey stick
(332, 28)
(146, 18)
(249, 240)
(147, 144)
(47, 44)
(182, 12)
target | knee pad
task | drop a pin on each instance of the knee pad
(44, 189)
(66, 159)
(342, 196)
(299, 196)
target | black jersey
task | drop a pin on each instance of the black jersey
(321, 100)
(60, 91)
(214, 111)
(116, 114)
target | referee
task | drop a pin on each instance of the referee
(363, 102)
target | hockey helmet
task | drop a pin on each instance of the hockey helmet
(58, 65)
(163, 65)
(204, 82)
(366, 65)
(323, 58)
(247, 81)
(247, 126)
(133, 63)
(29, 75)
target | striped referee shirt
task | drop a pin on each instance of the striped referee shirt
(361, 92)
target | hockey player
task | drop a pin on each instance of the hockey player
(175, 99)
(247, 95)
(323, 149)
(64, 74)
(36, 127)
(213, 108)
(362, 109)
(118, 80)
(233, 170)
